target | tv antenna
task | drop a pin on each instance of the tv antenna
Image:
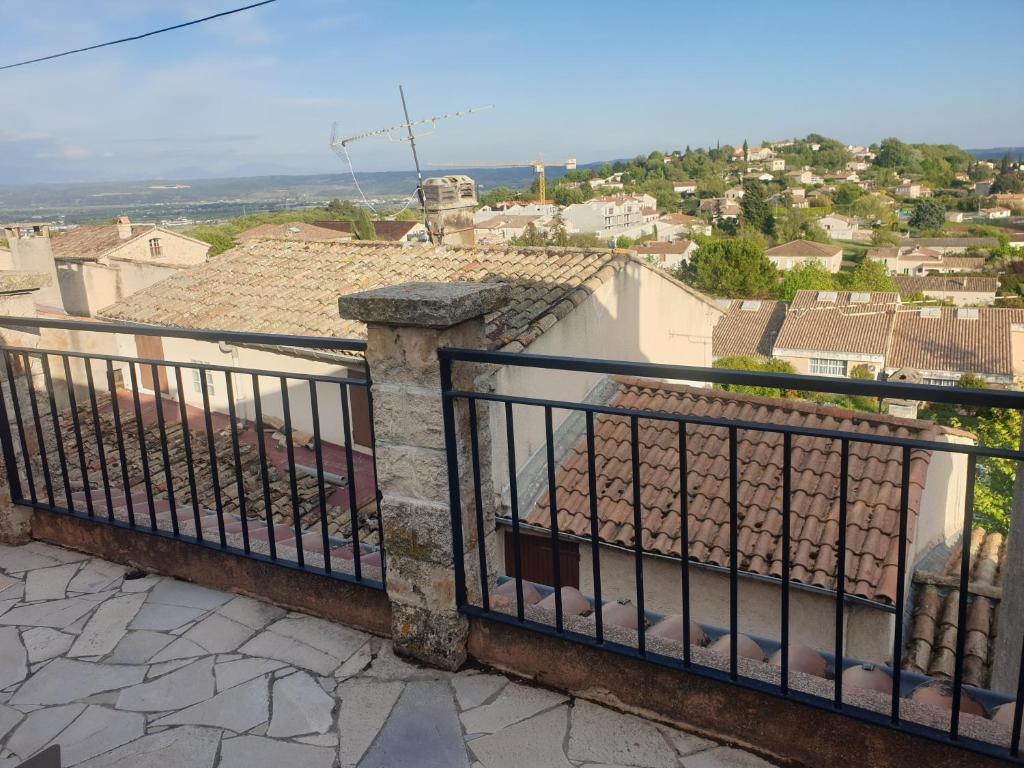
(394, 133)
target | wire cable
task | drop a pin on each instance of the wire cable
(138, 37)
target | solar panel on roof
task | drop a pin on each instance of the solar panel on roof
(829, 296)
(860, 298)
(931, 312)
(967, 313)
(750, 306)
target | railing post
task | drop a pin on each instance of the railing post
(406, 325)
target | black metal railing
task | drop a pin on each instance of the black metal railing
(483, 590)
(272, 462)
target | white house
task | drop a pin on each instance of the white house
(789, 255)
(840, 227)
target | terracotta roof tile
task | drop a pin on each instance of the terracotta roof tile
(874, 487)
(749, 328)
(274, 286)
(939, 339)
(89, 242)
(909, 284)
(294, 230)
(832, 321)
(931, 646)
(384, 229)
(805, 248)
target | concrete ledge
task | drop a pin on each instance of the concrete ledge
(427, 305)
(20, 281)
(357, 606)
(783, 731)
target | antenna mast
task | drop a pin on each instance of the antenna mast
(340, 145)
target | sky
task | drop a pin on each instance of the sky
(256, 93)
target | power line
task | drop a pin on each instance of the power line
(139, 37)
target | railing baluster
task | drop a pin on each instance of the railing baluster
(684, 540)
(320, 486)
(844, 480)
(787, 471)
(261, 444)
(7, 441)
(638, 537)
(47, 478)
(292, 472)
(965, 575)
(13, 382)
(211, 449)
(595, 527)
(733, 553)
(1018, 706)
(513, 489)
(101, 451)
(556, 550)
(346, 425)
(186, 441)
(48, 378)
(229, 391)
(481, 534)
(76, 425)
(164, 452)
(119, 436)
(143, 450)
(901, 575)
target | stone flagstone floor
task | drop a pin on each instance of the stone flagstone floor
(151, 672)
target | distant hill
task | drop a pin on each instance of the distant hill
(996, 153)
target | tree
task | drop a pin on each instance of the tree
(747, 363)
(565, 195)
(362, 226)
(732, 268)
(892, 153)
(869, 275)
(928, 215)
(756, 212)
(884, 237)
(746, 151)
(872, 208)
(809, 276)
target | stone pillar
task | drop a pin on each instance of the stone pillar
(406, 324)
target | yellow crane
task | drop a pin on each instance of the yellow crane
(538, 166)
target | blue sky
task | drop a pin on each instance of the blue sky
(257, 92)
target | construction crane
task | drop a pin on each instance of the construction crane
(538, 166)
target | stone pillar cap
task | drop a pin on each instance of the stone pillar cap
(427, 305)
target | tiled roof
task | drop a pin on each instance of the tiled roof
(952, 242)
(749, 328)
(805, 248)
(293, 230)
(660, 246)
(89, 242)
(931, 646)
(969, 263)
(273, 286)
(873, 501)
(946, 342)
(914, 253)
(384, 229)
(908, 284)
(839, 324)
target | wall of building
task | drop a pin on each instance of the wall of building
(802, 362)
(868, 632)
(964, 298)
(625, 319)
(175, 250)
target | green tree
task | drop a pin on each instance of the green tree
(868, 275)
(362, 226)
(872, 208)
(564, 195)
(809, 276)
(497, 195)
(884, 237)
(732, 268)
(928, 216)
(746, 363)
(757, 214)
(746, 151)
(892, 153)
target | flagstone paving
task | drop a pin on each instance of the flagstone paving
(151, 672)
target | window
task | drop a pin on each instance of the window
(828, 367)
(940, 382)
(155, 249)
(197, 384)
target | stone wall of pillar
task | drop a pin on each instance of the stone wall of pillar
(406, 325)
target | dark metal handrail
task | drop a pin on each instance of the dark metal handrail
(844, 439)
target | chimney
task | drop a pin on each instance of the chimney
(124, 227)
(450, 202)
(31, 251)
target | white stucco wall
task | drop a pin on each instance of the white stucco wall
(640, 315)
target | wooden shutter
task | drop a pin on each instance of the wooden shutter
(152, 348)
(537, 561)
